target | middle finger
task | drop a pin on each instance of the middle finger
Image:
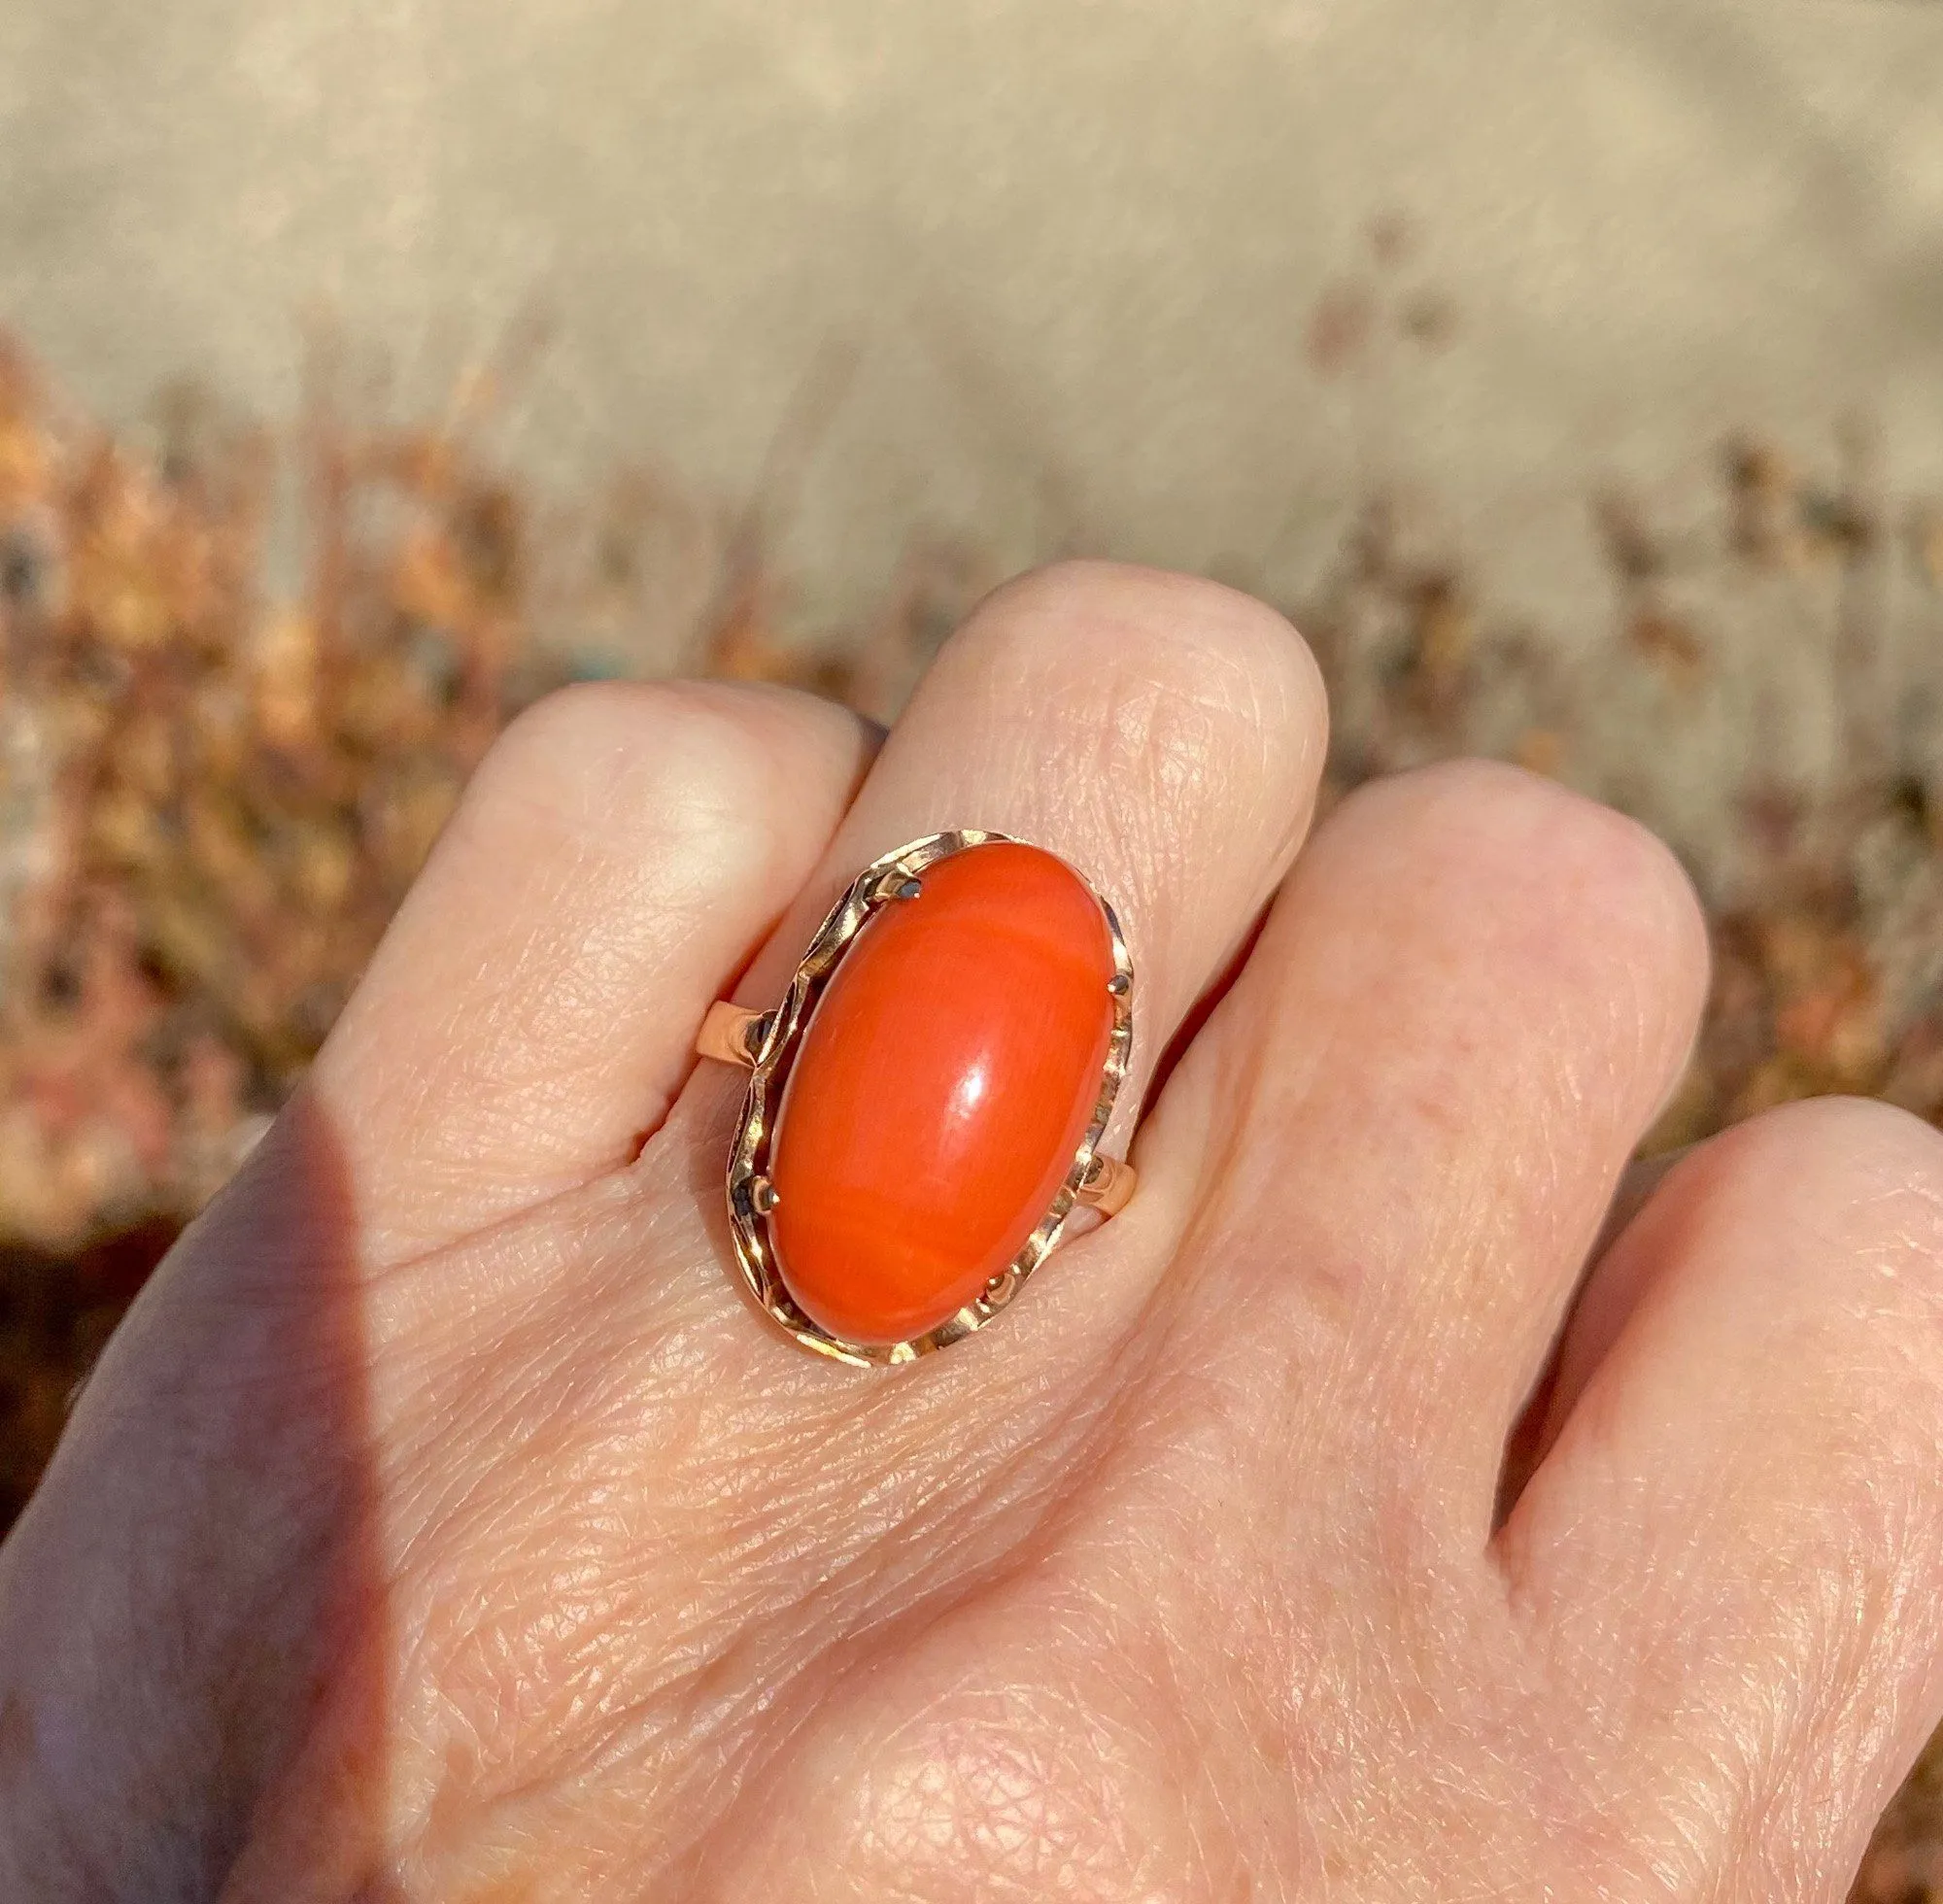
(1408, 1114)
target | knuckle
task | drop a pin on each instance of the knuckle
(1558, 832)
(588, 729)
(1857, 1156)
(1563, 883)
(1188, 635)
(558, 726)
(565, 748)
(1864, 1180)
(611, 756)
(1200, 707)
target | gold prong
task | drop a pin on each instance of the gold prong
(729, 1033)
(763, 1196)
(1107, 1186)
(895, 882)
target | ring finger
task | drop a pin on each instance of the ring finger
(1162, 734)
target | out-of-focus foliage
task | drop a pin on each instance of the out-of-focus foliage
(213, 793)
(210, 802)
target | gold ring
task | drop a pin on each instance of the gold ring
(925, 1106)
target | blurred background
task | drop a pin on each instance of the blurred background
(1574, 377)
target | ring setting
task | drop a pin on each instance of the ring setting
(926, 1103)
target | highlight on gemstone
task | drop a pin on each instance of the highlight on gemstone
(941, 1091)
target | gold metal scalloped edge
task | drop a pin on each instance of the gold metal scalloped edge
(778, 1033)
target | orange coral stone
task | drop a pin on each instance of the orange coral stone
(942, 1086)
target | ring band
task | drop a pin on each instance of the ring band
(925, 1106)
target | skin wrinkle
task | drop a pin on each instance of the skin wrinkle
(636, 895)
(1048, 628)
(1243, 1071)
(969, 1763)
(1212, 1803)
(1004, 1565)
(809, 1613)
(1009, 1812)
(615, 1732)
(1822, 1713)
(1347, 1699)
(500, 1002)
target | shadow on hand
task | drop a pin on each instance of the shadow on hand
(194, 1638)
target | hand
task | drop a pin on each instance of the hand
(443, 1523)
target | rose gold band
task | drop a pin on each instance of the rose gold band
(725, 1034)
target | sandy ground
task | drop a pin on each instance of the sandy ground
(1075, 248)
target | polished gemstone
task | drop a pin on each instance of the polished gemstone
(941, 1089)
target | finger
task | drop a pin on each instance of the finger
(1163, 734)
(1733, 1554)
(1463, 1011)
(532, 1011)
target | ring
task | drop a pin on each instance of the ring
(925, 1106)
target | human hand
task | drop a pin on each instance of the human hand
(443, 1523)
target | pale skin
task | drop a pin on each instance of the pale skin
(444, 1525)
